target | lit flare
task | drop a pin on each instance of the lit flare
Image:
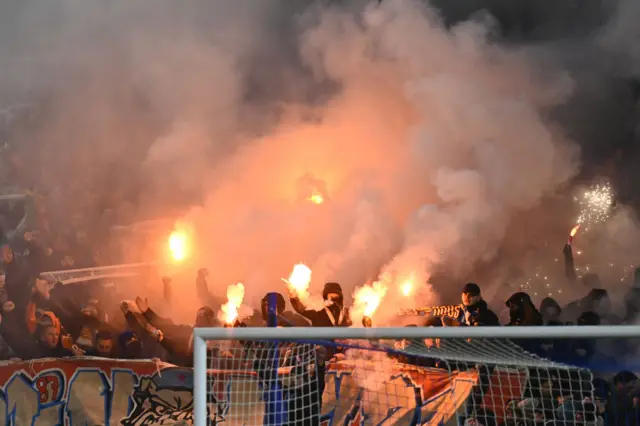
(573, 233)
(368, 298)
(406, 287)
(235, 296)
(299, 279)
(179, 245)
(316, 198)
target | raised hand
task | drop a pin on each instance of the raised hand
(143, 305)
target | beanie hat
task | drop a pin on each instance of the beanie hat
(280, 305)
(206, 312)
(520, 299)
(331, 288)
(472, 289)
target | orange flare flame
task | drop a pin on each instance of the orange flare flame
(235, 296)
(406, 288)
(179, 245)
(316, 198)
(574, 230)
(368, 298)
(299, 280)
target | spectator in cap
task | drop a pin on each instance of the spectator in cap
(475, 311)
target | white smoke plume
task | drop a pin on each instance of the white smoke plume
(424, 141)
(433, 139)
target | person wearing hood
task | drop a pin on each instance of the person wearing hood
(334, 314)
(475, 311)
(597, 301)
(522, 311)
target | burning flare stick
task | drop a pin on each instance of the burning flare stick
(367, 298)
(299, 279)
(573, 233)
(179, 245)
(447, 310)
(235, 296)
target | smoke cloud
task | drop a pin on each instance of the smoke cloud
(424, 141)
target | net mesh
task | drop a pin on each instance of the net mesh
(467, 382)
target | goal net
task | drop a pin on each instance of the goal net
(392, 376)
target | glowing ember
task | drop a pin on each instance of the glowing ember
(299, 280)
(316, 198)
(595, 205)
(406, 288)
(368, 298)
(235, 296)
(573, 233)
(179, 245)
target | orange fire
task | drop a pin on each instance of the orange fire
(406, 288)
(299, 280)
(316, 198)
(235, 296)
(368, 298)
(179, 245)
(574, 230)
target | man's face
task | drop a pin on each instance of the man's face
(469, 300)
(334, 297)
(104, 347)
(49, 337)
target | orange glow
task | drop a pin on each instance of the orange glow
(179, 245)
(574, 230)
(368, 298)
(299, 280)
(406, 288)
(235, 296)
(316, 198)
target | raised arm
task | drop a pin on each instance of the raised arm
(206, 298)
(569, 264)
(299, 307)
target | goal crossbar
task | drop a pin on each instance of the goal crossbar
(202, 335)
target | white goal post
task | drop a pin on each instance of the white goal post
(469, 349)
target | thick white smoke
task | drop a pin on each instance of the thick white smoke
(432, 140)
(424, 141)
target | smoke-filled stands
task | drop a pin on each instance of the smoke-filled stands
(91, 325)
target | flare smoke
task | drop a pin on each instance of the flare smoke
(422, 141)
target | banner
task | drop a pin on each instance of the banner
(95, 391)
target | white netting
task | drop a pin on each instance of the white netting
(264, 382)
(477, 382)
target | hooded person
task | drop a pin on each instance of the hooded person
(475, 311)
(597, 301)
(522, 311)
(334, 314)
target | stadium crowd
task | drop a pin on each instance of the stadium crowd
(43, 319)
